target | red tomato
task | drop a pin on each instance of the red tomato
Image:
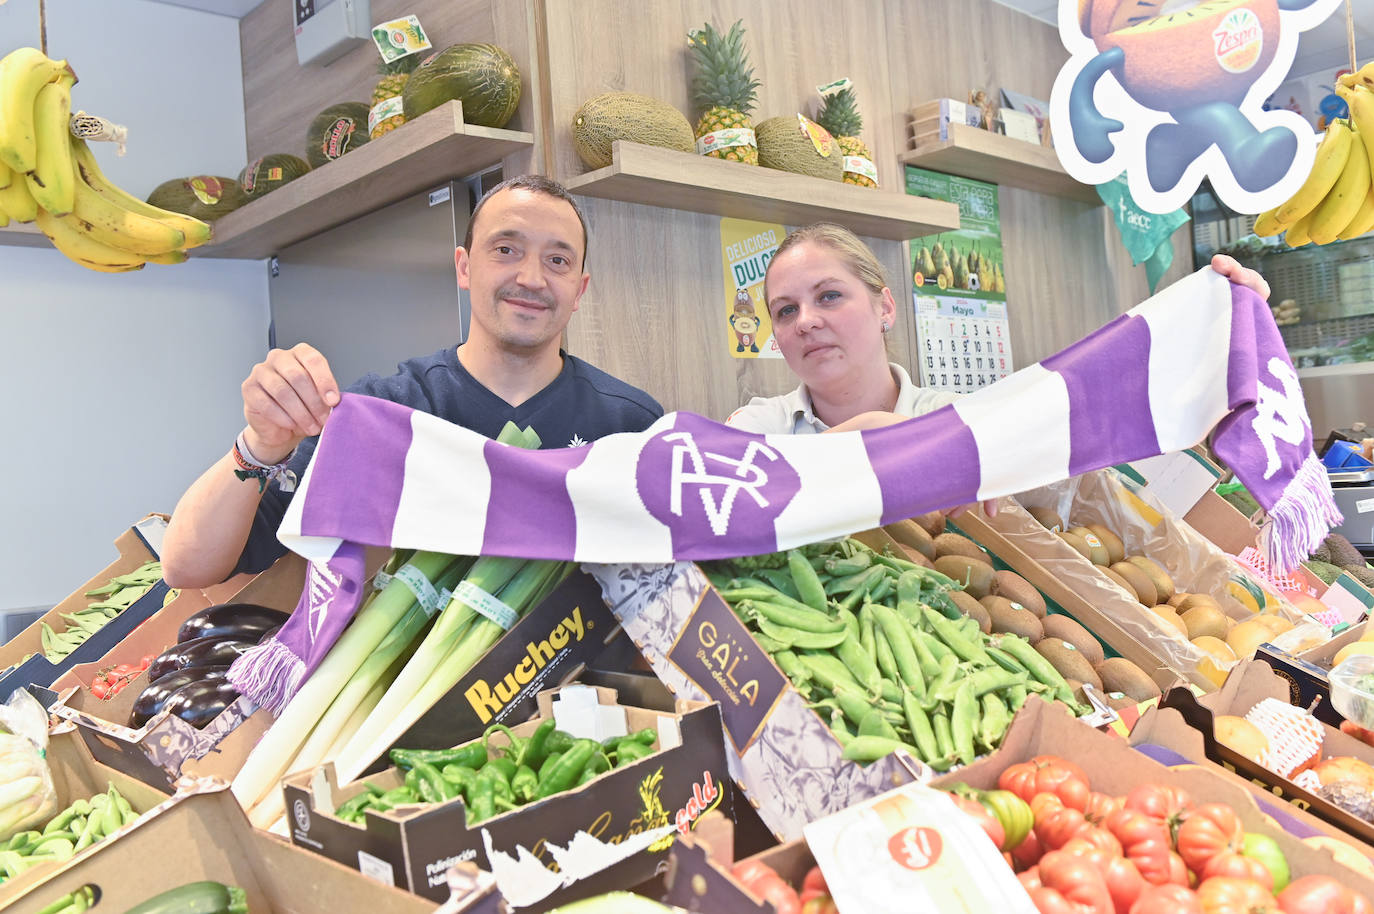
(1070, 884)
(1144, 841)
(123, 669)
(1124, 882)
(1316, 894)
(813, 885)
(1100, 806)
(1047, 774)
(1029, 879)
(1101, 839)
(1167, 899)
(1225, 895)
(1238, 866)
(989, 823)
(761, 880)
(145, 660)
(100, 689)
(1207, 831)
(1028, 852)
(1055, 823)
(1166, 805)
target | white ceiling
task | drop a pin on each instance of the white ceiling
(1319, 49)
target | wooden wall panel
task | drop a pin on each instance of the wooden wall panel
(280, 96)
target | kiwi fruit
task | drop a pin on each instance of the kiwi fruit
(1007, 618)
(1058, 625)
(1202, 619)
(1164, 585)
(1097, 551)
(1140, 582)
(911, 534)
(977, 576)
(1068, 660)
(1047, 518)
(1018, 590)
(1120, 581)
(932, 523)
(1078, 544)
(954, 544)
(911, 555)
(973, 609)
(1116, 550)
(1121, 675)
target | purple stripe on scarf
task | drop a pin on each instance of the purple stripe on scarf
(530, 513)
(947, 462)
(1105, 381)
(379, 433)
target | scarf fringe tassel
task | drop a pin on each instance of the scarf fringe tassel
(268, 675)
(1301, 519)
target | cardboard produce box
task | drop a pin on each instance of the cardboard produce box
(77, 776)
(781, 753)
(134, 551)
(1145, 528)
(202, 834)
(1250, 683)
(1114, 768)
(548, 645)
(1306, 673)
(413, 846)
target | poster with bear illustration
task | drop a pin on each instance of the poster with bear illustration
(745, 249)
(958, 290)
(1171, 94)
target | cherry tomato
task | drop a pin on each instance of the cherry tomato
(1226, 895)
(1047, 774)
(100, 689)
(1167, 899)
(1207, 831)
(123, 669)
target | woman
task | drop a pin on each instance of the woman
(831, 309)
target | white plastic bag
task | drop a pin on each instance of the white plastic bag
(27, 795)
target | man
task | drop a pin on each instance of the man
(523, 263)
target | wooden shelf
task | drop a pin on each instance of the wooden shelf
(660, 177)
(23, 235)
(972, 152)
(433, 148)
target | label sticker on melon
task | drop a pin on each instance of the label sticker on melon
(389, 107)
(1239, 39)
(208, 190)
(250, 177)
(723, 139)
(399, 37)
(861, 166)
(336, 138)
(818, 135)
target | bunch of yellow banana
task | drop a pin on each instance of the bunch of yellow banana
(49, 176)
(1337, 199)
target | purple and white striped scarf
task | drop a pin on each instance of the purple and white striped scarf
(1201, 355)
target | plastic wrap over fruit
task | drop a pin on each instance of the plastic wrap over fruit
(27, 795)
(1352, 689)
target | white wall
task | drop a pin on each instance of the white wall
(122, 388)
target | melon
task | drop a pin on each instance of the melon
(481, 76)
(612, 116)
(203, 197)
(1210, 53)
(336, 131)
(266, 174)
(798, 144)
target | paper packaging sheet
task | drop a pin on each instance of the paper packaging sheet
(1196, 565)
(780, 752)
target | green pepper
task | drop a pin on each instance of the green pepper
(549, 764)
(505, 765)
(564, 774)
(434, 787)
(525, 783)
(536, 749)
(482, 802)
(515, 750)
(460, 777)
(412, 781)
(558, 741)
(473, 755)
(631, 751)
(599, 764)
(397, 796)
(354, 807)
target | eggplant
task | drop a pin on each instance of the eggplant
(267, 635)
(153, 697)
(201, 702)
(244, 621)
(213, 651)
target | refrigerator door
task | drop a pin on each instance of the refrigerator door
(377, 290)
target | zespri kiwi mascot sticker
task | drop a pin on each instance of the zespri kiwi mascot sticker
(1173, 91)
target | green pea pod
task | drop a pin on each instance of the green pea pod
(865, 749)
(897, 636)
(919, 724)
(944, 737)
(963, 722)
(1004, 660)
(994, 679)
(947, 631)
(769, 645)
(851, 622)
(807, 582)
(843, 567)
(887, 664)
(866, 629)
(848, 584)
(828, 671)
(1038, 666)
(791, 667)
(1016, 697)
(852, 703)
(890, 690)
(995, 719)
(881, 588)
(565, 773)
(786, 611)
(780, 581)
(793, 637)
(934, 645)
(852, 655)
(875, 724)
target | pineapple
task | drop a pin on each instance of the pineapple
(724, 88)
(840, 115)
(394, 76)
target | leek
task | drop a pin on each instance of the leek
(274, 753)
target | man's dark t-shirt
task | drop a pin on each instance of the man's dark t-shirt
(579, 406)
